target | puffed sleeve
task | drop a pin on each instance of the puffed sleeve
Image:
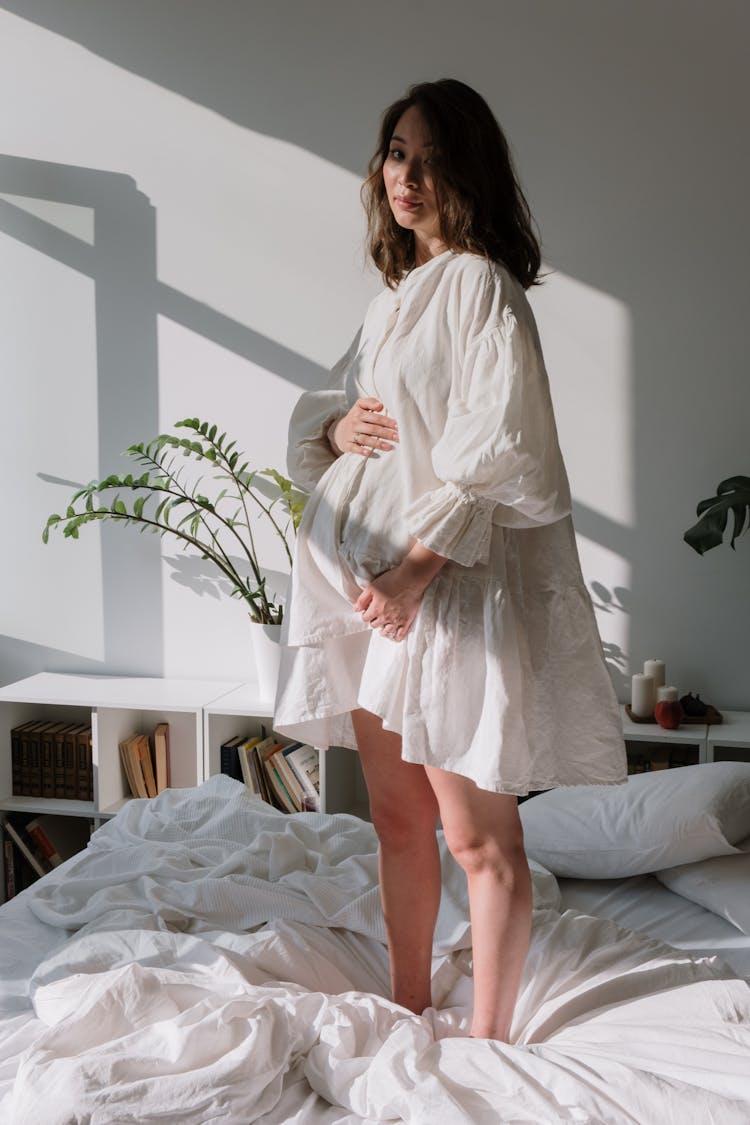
(498, 455)
(309, 453)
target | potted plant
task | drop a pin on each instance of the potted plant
(211, 513)
(732, 494)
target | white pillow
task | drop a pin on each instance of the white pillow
(656, 820)
(545, 888)
(721, 885)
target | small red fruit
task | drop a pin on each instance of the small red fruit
(668, 713)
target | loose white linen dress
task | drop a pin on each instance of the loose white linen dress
(501, 677)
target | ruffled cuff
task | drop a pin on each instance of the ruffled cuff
(454, 523)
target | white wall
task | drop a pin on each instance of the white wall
(180, 234)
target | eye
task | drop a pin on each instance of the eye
(396, 154)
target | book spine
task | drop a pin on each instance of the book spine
(70, 791)
(281, 797)
(291, 784)
(59, 763)
(230, 760)
(34, 776)
(256, 770)
(25, 767)
(24, 848)
(9, 862)
(42, 842)
(48, 763)
(304, 762)
(16, 760)
(83, 753)
(90, 767)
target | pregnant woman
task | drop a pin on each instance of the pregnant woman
(438, 621)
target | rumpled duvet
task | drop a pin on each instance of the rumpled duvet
(217, 961)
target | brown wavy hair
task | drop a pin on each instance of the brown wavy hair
(482, 207)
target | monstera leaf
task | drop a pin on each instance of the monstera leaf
(732, 495)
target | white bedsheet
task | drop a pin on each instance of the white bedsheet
(176, 1000)
(642, 903)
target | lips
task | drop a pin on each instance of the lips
(409, 204)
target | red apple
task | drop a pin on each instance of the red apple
(668, 713)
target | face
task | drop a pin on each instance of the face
(408, 175)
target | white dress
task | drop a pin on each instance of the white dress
(501, 677)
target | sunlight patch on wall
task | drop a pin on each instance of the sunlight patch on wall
(261, 230)
(50, 360)
(586, 336)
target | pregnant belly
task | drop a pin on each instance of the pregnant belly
(372, 534)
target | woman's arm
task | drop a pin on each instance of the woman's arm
(391, 602)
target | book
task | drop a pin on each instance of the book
(161, 757)
(245, 755)
(57, 838)
(143, 748)
(276, 787)
(32, 857)
(31, 772)
(9, 863)
(131, 760)
(58, 755)
(18, 765)
(48, 758)
(83, 753)
(259, 776)
(229, 759)
(70, 762)
(305, 762)
(289, 778)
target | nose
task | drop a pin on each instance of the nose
(409, 173)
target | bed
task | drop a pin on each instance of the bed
(208, 959)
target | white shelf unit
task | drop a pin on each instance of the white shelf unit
(640, 736)
(115, 707)
(244, 711)
(730, 741)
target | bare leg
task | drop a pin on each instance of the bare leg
(404, 811)
(484, 834)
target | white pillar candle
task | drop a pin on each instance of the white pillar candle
(657, 669)
(664, 694)
(643, 696)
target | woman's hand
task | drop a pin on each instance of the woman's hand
(364, 429)
(391, 601)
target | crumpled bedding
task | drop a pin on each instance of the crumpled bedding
(219, 961)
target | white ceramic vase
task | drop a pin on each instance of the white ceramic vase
(267, 651)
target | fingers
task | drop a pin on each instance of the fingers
(383, 615)
(363, 600)
(367, 429)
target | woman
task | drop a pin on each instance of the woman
(438, 620)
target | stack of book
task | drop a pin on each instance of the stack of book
(287, 777)
(32, 846)
(51, 759)
(146, 762)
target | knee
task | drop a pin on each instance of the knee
(402, 829)
(484, 853)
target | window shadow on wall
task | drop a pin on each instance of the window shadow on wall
(120, 259)
(121, 262)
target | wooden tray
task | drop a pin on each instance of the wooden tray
(711, 717)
